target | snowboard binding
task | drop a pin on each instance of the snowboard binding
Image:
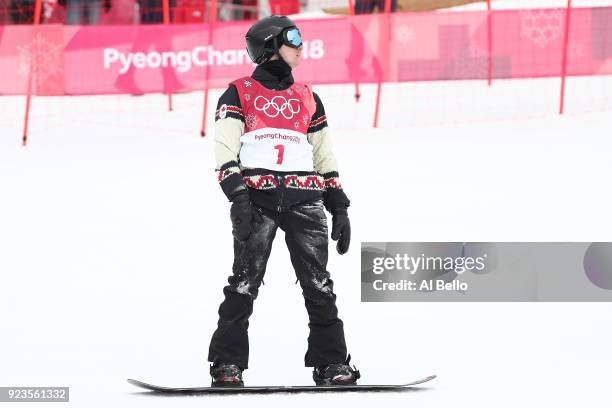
(336, 374)
(226, 375)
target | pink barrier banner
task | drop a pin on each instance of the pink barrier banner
(75, 60)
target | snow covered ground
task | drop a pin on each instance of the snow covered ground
(115, 244)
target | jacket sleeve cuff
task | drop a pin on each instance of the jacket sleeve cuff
(334, 197)
(230, 179)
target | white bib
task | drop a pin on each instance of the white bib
(276, 149)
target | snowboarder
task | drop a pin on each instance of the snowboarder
(275, 164)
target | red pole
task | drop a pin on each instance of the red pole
(564, 63)
(351, 10)
(490, 42)
(379, 88)
(33, 61)
(377, 104)
(203, 131)
(357, 94)
(166, 10)
(212, 19)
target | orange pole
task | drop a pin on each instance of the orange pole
(564, 63)
(166, 11)
(212, 19)
(37, 11)
(33, 61)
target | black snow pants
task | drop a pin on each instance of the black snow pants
(305, 228)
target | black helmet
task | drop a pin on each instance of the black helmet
(262, 38)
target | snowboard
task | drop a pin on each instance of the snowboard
(275, 389)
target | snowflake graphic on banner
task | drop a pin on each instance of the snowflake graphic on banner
(296, 125)
(43, 57)
(542, 26)
(290, 91)
(305, 119)
(247, 97)
(247, 83)
(404, 34)
(251, 121)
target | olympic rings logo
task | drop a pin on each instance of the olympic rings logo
(277, 105)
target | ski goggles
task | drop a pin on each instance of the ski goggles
(292, 38)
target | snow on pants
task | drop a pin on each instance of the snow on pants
(305, 228)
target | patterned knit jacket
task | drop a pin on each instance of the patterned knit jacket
(273, 189)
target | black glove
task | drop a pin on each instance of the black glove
(107, 5)
(341, 230)
(241, 214)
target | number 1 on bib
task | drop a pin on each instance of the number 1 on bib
(281, 151)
